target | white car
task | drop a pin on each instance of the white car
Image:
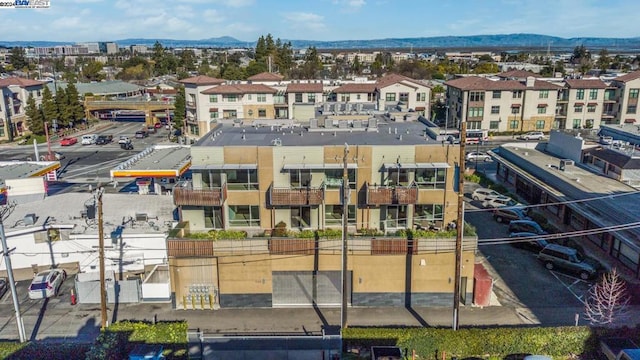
(492, 202)
(533, 135)
(124, 139)
(46, 284)
(89, 139)
(478, 156)
(480, 194)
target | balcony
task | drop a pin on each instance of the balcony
(187, 195)
(295, 196)
(190, 104)
(385, 195)
(609, 114)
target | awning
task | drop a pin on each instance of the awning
(400, 166)
(225, 167)
(516, 105)
(420, 108)
(213, 109)
(629, 121)
(592, 104)
(318, 166)
(542, 105)
(579, 104)
(432, 165)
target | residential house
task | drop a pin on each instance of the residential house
(15, 92)
(240, 101)
(399, 90)
(198, 117)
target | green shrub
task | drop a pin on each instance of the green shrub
(370, 232)
(474, 178)
(280, 230)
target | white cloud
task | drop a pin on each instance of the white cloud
(350, 5)
(212, 16)
(304, 20)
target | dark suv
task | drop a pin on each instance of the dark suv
(530, 226)
(505, 214)
(141, 134)
(568, 259)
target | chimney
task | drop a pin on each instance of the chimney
(531, 81)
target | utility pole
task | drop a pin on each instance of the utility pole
(459, 227)
(12, 284)
(345, 219)
(103, 290)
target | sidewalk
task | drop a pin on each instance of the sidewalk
(97, 127)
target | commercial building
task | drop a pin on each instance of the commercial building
(14, 93)
(260, 178)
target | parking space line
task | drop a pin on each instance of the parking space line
(568, 287)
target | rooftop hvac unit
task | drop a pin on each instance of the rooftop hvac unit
(29, 219)
(564, 163)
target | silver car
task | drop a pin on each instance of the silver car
(568, 259)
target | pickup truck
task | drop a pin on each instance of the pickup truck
(619, 349)
(104, 139)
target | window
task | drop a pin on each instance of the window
(229, 114)
(300, 178)
(542, 109)
(476, 96)
(333, 214)
(577, 123)
(213, 217)
(404, 97)
(497, 94)
(593, 94)
(262, 98)
(390, 97)
(610, 94)
(633, 93)
(539, 124)
(517, 94)
(213, 98)
(580, 94)
(431, 178)
(495, 109)
(588, 124)
(262, 113)
(244, 215)
(298, 98)
(358, 97)
(213, 115)
(420, 96)
(474, 125)
(476, 111)
(333, 178)
(242, 179)
(543, 94)
(345, 97)
(591, 108)
(248, 96)
(631, 109)
(231, 98)
(396, 217)
(397, 177)
(513, 124)
(493, 125)
(578, 108)
(428, 212)
(515, 110)
(39, 93)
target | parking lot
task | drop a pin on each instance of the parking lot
(520, 280)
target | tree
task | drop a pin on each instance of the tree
(607, 301)
(92, 71)
(76, 109)
(604, 61)
(187, 60)
(486, 68)
(49, 106)
(180, 110)
(17, 58)
(254, 68)
(580, 53)
(312, 64)
(35, 119)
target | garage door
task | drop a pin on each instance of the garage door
(301, 288)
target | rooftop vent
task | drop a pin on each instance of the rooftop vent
(29, 219)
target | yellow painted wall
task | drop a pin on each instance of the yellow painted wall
(250, 274)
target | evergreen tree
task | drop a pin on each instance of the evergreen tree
(35, 119)
(158, 58)
(17, 58)
(75, 108)
(49, 106)
(284, 58)
(180, 109)
(261, 49)
(312, 64)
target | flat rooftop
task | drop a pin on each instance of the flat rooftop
(25, 169)
(67, 209)
(614, 203)
(354, 132)
(156, 161)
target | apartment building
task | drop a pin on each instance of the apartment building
(15, 92)
(502, 105)
(258, 178)
(267, 97)
(580, 104)
(621, 100)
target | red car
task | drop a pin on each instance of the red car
(157, 125)
(68, 141)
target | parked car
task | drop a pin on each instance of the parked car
(480, 194)
(491, 202)
(534, 244)
(606, 140)
(529, 226)
(478, 156)
(46, 284)
(141, 134)
(505, 214)
(557, 256)
(126, 145)
(104, 139)
(533, 135)
(68, 141)
(151, 129)
(4, 286)
(89, 139)
(157, 125)
(123, 139)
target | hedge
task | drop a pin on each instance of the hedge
(491, 343)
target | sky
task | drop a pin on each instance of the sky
(246, 20)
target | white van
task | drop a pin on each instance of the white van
(89, 139)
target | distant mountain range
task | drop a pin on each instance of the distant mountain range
(503, 42)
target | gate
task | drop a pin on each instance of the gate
(125, 291)
(303, 288)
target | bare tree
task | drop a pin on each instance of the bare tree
(607, 301)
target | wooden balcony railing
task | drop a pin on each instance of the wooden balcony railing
(385, 195)
(187, 195)
(295, 196)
